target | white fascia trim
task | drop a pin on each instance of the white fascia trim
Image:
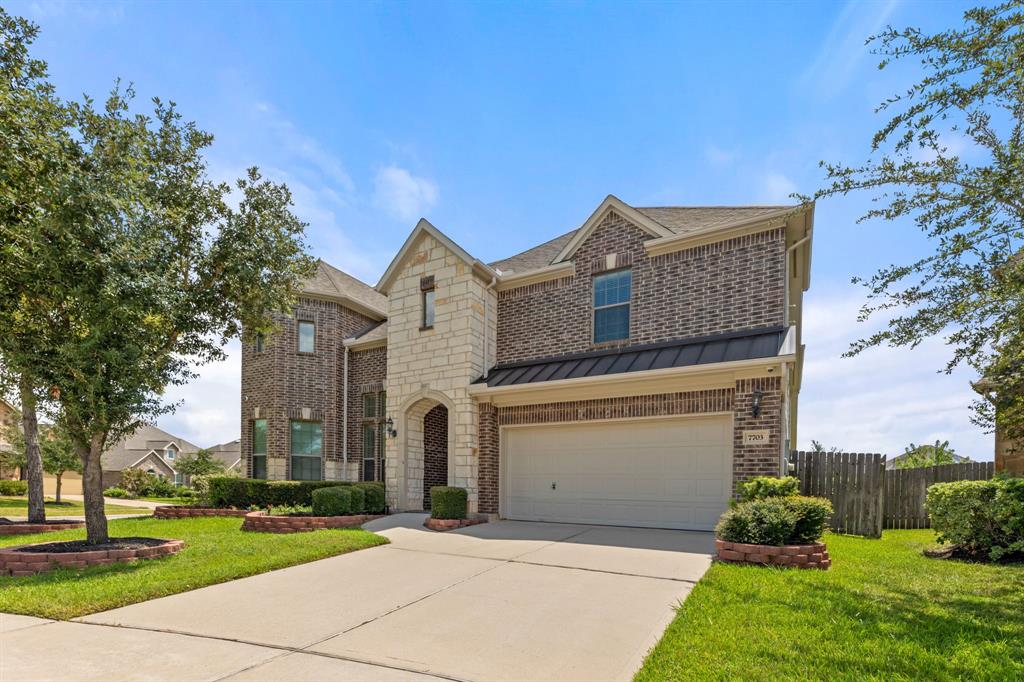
(789, 342)
(522, 279)
(611, 202)
(482, 390)
(358, 344)
(719, 233)
(424, 226)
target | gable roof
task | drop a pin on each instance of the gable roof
(611, 203)
(673, 220)
(133, 448)
(423, 227)
(330, 282)
(228, 453)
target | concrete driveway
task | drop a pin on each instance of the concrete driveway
(500, 601)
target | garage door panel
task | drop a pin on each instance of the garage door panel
(664, 473)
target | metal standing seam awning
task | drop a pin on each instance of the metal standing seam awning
(735, 346)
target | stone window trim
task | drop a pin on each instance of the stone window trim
(428, 298)
(299, 324)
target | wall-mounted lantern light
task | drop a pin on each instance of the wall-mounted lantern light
(390, 425)
(755, 406)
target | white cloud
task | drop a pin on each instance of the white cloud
(403, 194)
(884, 398)
(774, 188)
(843, 49)
(210, 412)
(306, 149)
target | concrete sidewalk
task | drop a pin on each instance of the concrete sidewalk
(501, 601)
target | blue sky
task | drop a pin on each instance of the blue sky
(506, 125)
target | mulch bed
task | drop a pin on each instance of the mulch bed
(84, 546)
(31, 559)
(9, 527)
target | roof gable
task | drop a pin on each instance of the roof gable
(611, 203)
(423, 227)
(330, 282)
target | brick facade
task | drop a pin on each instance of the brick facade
(721, 287)
(435, 450)
(280, 384)
(367, 373)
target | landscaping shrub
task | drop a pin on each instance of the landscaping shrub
(334, 501)
(120, 493)
(761, 487)
(137, 481)
(790, 520)
(448, 503)
(14, 488)
(374, 497)
(983, 518)
(230, 491)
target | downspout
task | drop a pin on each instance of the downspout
(344, 412)
(487, 323)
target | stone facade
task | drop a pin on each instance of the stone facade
(427, 367)
(726, 286)
(367, 372)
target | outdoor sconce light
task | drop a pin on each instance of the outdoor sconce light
(755, 406)
(390, 425)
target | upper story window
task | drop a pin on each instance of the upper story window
(260, 342)
(428, 309)
(611, 305)
(307, 337)
(170, 452)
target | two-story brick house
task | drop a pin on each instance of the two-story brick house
(630, 372)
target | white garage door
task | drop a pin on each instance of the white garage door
(659, 473)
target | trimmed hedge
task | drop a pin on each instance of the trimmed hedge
(334, 501)
(119, 493)
(791, 520)
(762, 487)
(229, 491)
(373, 492)
(983, 518)
(14, 488)
(448, 503)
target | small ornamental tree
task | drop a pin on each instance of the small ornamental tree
(140, 269)
(201, 463)
(59, 456)
(916, 456)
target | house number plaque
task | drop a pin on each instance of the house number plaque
(756, 437)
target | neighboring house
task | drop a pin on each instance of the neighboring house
(229, 454)
(894, 462)
(1009, 452)
(149, 449)
(9, 417)
(630, 372)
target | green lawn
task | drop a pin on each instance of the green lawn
(882, 612)
(216, 550)
(18, 506)
(168, 500)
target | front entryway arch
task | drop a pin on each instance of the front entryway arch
(425, 443)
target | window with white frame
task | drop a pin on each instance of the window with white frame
(611, 305)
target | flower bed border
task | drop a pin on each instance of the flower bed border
(174, 512)
(261, 522)
(442, 525)
(800, 556)
(27, 528)
(17, 563)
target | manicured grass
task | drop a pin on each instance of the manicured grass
(883, 612)
(18, 506)
(216, 550)
(169, 500)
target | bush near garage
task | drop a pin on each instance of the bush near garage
(983, 519)
(762, 487)
(791, 520)
(14, 488)
(448, 503)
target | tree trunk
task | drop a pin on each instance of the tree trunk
(59, 476)
(92, 491)
(33, 457)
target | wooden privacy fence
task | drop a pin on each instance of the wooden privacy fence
(867, 497)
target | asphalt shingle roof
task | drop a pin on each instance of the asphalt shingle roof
(330, 281)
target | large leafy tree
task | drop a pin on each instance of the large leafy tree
(950, 157)
(34, 139)
(151, 270)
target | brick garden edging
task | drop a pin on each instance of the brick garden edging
(16, 563)
(26, 528)
(801, 556)
(451, 524)
(260, 522)
(171, 512)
